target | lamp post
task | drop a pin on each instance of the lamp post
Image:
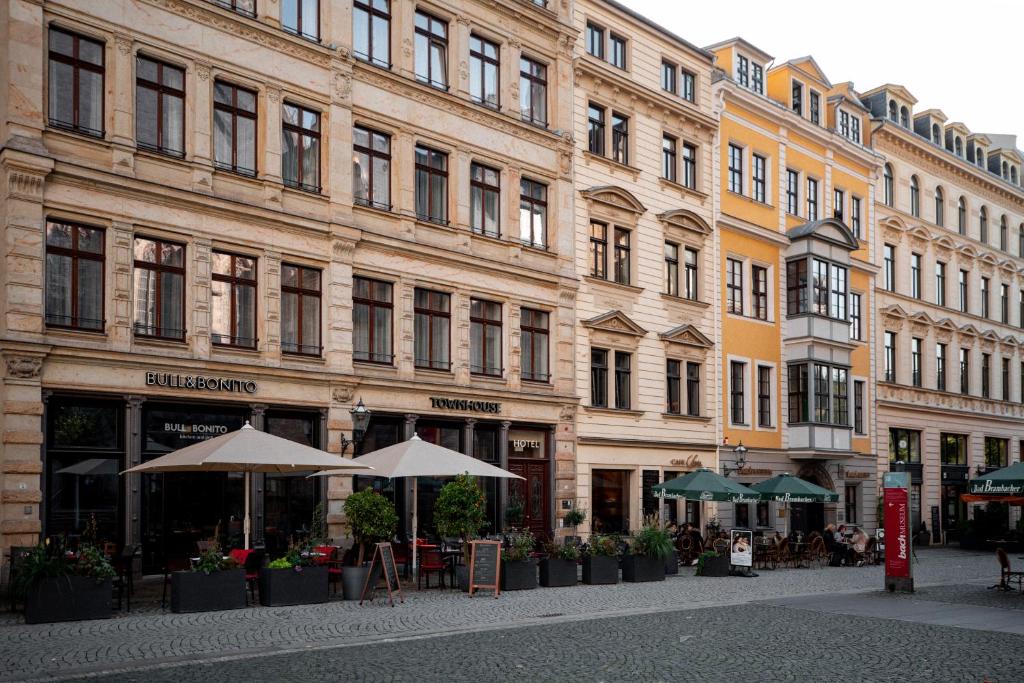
(360, 421)
(740, 453)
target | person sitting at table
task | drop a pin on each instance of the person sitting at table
(840, 535)
(858, 544)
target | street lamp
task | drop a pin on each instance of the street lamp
(741, 460)
(360, 421)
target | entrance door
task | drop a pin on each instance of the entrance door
(806, 517)
(532, 490)
(953, 509)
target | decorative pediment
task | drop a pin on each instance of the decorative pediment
(894, 311)
(947, 324)
(990, 335)
(921, 318)
(1007, 266)
(1009, 343)
(944, 242)
(988, 259)
(615, 321)
(969, 330)
(968, 251)
(829, 229)
(617, 197)
(685, 219)
(687, 335)
(893, 228)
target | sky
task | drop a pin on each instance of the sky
(968, 69)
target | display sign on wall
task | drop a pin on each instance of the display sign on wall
(464, 404)
(200, 382)
(896, 516)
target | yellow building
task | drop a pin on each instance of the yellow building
(795, 222)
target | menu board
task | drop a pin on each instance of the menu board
(485, 566)
(383, 562)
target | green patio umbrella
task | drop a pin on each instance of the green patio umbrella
(704, 485)
(785, 488)
(1008, 481)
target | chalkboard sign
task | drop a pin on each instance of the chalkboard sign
(383, 563)
(485, 566)
(936, 531)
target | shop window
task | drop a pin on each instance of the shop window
(159, 289)
(850, 504)
(233, 300)
(904, 445)
(76, 82)
(372, 311)
(610, 506)
(289, 499)
(432, 329)
(300, 310)
(74, 276)
(953, 449)
(996, 452)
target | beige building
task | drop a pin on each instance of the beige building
(950, 304)
(212, 214)
(645, 252)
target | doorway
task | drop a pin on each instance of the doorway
(532, 492)
(610, 491)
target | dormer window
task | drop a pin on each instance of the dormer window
(798, 98)
(1006, 171)
(749, 74)
(936, 134)
(815, 104)
(893, 114)
(743, 71)
(958, 146)
(980, 157)
(1013, 175)
(904, 117)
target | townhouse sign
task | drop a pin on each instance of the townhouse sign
(464, 404)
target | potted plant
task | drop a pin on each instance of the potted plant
(371, 518)
(710, 563)
(601, 561)
(559, 567)
(518, 569)
(215, 583)
(573, 518)
(58, 587)
(646, 562)
(460, 512)
(293, 580)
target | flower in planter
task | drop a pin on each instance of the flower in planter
(653, 542)
(562, 552)
(520, 545)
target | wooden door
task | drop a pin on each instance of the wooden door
(533, 491)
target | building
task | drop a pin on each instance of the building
(216, 212)
(646, 344)
(794, 217)
(950, 304)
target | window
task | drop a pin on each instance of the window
(533, 213)
(372, 311)
(965, 371)
(844, 124)
(915, 197)
(904, 445)
(1004, 304)
(915, 361)
(904, 117)
(598, 250)
(159, 289)
(737, 370)
(734, 285)
(830, 289)
(691, 273)
(688, 91)
(986, 375)
(796, 287)
(234, 128)
(858, 406)
(759, 180)
(301, 154)
(889, 267)
(997, 452)
(936, 134)
(673, 382)
(855, 216)
(939, 207)
(693, 389)
(599, 378)
(301, 17)
(534, 339)
(622, 238)
(961, 216)
(668, 77)
(840, 397)
(432, 329)
(984, 297)
(431, 50)
(815, 101)
(850, 503)
(799, 399)
(940, 283)
(74, 276)
(797, 99)
(159, 107)
(76, 82)
(533, 91)
(620, 138)
(822, 408)
(940, 367)
(855, 318)
(300, 310)
(431, 185)
(958, 147)
(915, 275)
(792, 192)
(484, 193)
(764, 396)
(735, 169)
(1005, 379)
(953, 449)
(485, 338)
(371, 31)
(855, 129)
(741, 515)
(371, 168)
(671, 268)
(890, 357)
(759, 292)
(595, 41)
(962, 286)
(838, 203)
(983, 225)
(616, 51)
(623, 379)
(837, 299)
(757, 78)
(668, 158)
(689, 166)
(888, 185)
(233, 300)
(743, 71)
(812, 199)
(595, 129)
(483, 71)
(1004, 235)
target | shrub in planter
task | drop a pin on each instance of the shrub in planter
(518, 569)
(293, 580)
(213, 584)
(55, 587)
(709, 563)
(371, 518)
(651, 546)
(460, 511)
(601, 561)
(559, 567)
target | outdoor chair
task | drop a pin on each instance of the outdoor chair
(432, 563)
(252, 571)
(171, 566)
(818, 551)
(124, 582)
(1006, 574)
(334, 569)
(239, 555)
(785, 555)
(684, 546)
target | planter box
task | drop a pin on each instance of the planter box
(554, 572)
(600, 570)
(68, 598)
(716, 566)
(199, 592)
(637, 568)
(352, 581)
(518, 575)
(672, 563)
(290, 587)
(462, 577)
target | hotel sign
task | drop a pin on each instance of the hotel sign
(467, 405)
(200, 382)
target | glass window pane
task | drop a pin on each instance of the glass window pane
(381, 182)
(360, 32)
(171, 303)
(145, 300)
(289, 320)
(58, 289)
(174, 78)
(246, 143)
(311, 18)
(222, 92)
(61, 92)
(311, 162)
(146, 116)
(90, 51)
(223, 132)
(172, 123)
(246, 100)
(290, 156)
(90, 100)
(220, 312)
(245, 315)
(311, 324)
(171, 254)
(382, 334)
(311, 279)
(62, 43)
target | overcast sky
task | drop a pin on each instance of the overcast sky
(969, 70)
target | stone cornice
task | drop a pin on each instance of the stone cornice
(945, 403)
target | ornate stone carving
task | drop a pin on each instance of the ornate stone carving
(274, 95)
(343, 394)
(343, 250)
(23, 367)
(124, 44)
(343, 86)
(567, 414)
(25, 185)
(203, 71)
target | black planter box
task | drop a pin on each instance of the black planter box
(672, 563)
(279, 587)
(462, 577)
(68, 598)
(518, 575)
(600, 570)
(555, 572)
(716, 566)
(200, 592)
(637, 568)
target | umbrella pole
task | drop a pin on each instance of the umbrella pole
(245, 524)
(415, 509)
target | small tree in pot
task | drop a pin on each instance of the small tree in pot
(559, 567)
(371, 518)
(646, 562)
(518, 569)
(601, 560)
(573, 518)
(460, 512)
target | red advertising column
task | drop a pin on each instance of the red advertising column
(896, 518)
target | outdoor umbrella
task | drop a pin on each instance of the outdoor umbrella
(246, 450)
(418, 458)
(1007, 482)
(705, 485)
(785, 488)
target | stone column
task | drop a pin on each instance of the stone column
(509, 74)
(133, 457)
(458, 53)
(197, 326)
(502, 487)
(402, 32)
(258, 483)
(271, 139)
(201, 140)
(467, 436)
(120, 79)
(271, 323)
(338, 290)
(21, 447)
(119, 272)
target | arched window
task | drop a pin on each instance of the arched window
(888, 185)
(1004, 234)
(893, 115)
(939, 207)
(961, 216)
(1006, 170)
(904, 117)
(1013, 175)
(958, 147)
(936, 134)
(915, 197)
(979, 156)
(983, 225)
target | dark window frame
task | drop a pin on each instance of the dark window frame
(759, 292)
(737, 392)
(669, 158)
(373, 14)
(691, 273)
(672, 282)
(432, 314)
(372, 154)
(76, 255)
(234, 281)
(599, 250)
(159, 268)
(693, 389)
(532, 81)
(485, 324)
(622, 255)
(299, 29)
(673, 386)
(530, 329)
(431, 172)
(372, 305)
(764, 396)
(485, 189)
(596, 129)
(484, 61)
(301, 293)
(161, 89)
(77, 64)
(433, 40)
(235, 112)
(689, 178)
(598, 377)
(299, 130)
(536, 206)
(734, 286)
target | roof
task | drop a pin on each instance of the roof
(821, 229)
(798, 63)
(747, 46)
(892, 87)
(703, 52)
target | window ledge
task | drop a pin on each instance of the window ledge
(682, 189)
(820, 424)
(611, 163)
(683, 300)
(369, 208)
(303, 359)
(298, 191)
(613, 284)
(635, 414)
(157, 342)
(76, 333)
(488, 380)
(686, 418)
(750, 319)
(763, 205)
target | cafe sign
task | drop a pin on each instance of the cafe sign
(466, 405)
(692, 462)
(200, 382)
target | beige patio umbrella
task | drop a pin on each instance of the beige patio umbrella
(418, 458)
(247, 450)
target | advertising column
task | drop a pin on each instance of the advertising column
(896, 515)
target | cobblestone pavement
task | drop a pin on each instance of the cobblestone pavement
(55, 650)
